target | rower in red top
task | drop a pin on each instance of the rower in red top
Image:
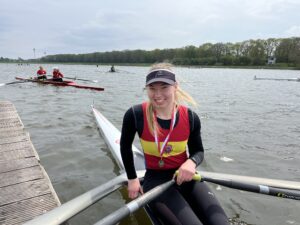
(41, 73)
(170, 136)
(57, 75)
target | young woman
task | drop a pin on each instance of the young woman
(166, 129)
(41, 73)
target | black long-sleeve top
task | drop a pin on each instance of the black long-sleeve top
(133, 122)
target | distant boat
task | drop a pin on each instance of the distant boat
(112, 69)
(286, 79)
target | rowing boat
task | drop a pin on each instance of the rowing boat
(279, 79)
(112, 138)
(67, 83)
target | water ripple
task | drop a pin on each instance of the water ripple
(256, 123)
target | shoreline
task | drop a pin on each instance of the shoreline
(276, 67)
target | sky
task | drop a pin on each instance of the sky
(35, 28)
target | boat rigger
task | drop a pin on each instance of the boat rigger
(66, 83)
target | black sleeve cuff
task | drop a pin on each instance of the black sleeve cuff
(197, 159)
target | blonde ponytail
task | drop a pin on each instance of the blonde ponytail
(149, 116)
(182, 96)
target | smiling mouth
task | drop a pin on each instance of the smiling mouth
(159, 101)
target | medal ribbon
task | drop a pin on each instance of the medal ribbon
(173, 120)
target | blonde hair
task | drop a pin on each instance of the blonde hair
(180, 97)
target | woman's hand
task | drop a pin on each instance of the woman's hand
(134, 188)
(186, 172)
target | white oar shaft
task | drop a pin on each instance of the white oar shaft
(134, 205)
(76, 78)
(71, 208)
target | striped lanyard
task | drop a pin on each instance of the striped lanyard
(173, 120)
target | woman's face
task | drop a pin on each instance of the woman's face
(161, 95)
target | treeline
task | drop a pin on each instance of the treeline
(284, 51)
(8, 60)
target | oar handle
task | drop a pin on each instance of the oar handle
(196, 176)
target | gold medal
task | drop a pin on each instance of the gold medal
(161, 163)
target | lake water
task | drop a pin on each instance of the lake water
(255, 123)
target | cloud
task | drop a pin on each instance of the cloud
(293, 31)
(80, 26)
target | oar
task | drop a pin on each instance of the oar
(290, 193)
(262, 189)
(67, 210)
(76, 78)
(134, 205)
(276, 183)
(131, 207)
(14, 82)
(123, 71)
(119, 71)
(141, 201)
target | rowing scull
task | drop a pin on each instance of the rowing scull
(112, 138)
(279, 79)
(63, 83)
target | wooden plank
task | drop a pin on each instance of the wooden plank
(8, 114)
(18, 213)
(19, 176)
(7, 140)
(10, 122)
(14, 146)
(11, 165)
(7, 107)
(22, 191)
(19, 154)
(11, 129)
(12, 133)
(5, 103)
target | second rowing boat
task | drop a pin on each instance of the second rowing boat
(63, 83)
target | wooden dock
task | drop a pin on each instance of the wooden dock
(25, 188)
